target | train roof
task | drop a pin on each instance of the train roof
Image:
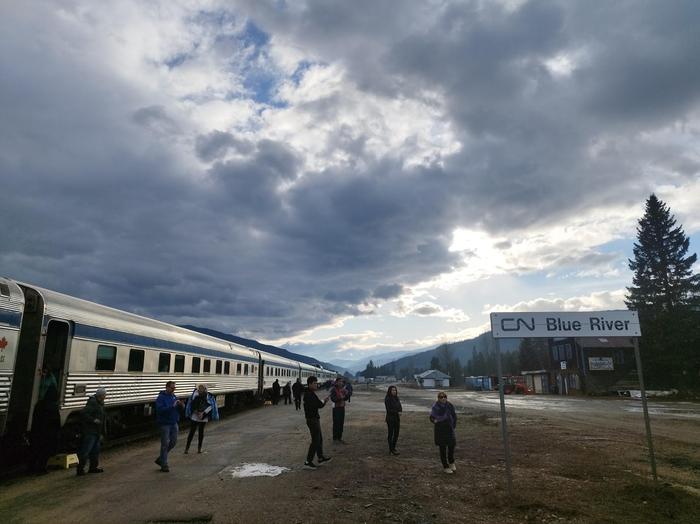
(61, 306)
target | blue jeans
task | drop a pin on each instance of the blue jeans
(168, 439)
(89, 449)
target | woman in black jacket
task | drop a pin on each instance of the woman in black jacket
(444, 419)
(393, 420)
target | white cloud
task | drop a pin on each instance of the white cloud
(602, 300)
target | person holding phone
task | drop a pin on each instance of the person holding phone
(313, 420)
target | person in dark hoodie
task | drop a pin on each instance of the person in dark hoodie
(313, 420)
(93, 425)
(201, 407)
(297, 391)
(393, 420)
(444, 420)
(46, 427)
(167, 417)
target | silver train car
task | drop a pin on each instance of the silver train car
(86, 345)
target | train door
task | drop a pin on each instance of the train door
(261, 376)
(25, 373)
(54, 364)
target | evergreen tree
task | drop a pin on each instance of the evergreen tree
(665, 292)
(435, 363)
(663, 278)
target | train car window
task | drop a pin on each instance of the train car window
(179, 363)
(164, 363)
(245, 369)
(106, 358)
(195, 364)
(227, 368)
(207, 365)
(4, 290)
(238, 368)
(218, 367)
(136, 359)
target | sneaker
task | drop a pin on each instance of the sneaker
(165, 469)
(324, 459)
(199, 451)
(96, 470)
(310, 465)
(453, 467)
(157, 461)
(187, 451)
(394, 452)
(448, 470)
(80, 472)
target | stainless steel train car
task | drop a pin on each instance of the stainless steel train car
(86, 345)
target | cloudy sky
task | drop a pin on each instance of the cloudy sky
(343, 177)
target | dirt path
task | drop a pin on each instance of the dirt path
(566, 468)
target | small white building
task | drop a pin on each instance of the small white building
(433, 379)
(385, 378)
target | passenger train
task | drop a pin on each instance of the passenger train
(87, 345)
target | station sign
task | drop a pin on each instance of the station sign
(617, 323)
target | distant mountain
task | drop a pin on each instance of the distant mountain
(463, 350)
(377, 359)
(265, 347)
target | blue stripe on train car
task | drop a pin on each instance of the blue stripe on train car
(119, 337)
(11, 318)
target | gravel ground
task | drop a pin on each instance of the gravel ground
(574, 460)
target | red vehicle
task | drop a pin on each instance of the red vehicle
(516, 384)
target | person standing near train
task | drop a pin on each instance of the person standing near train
(393, 417)
(287, 393)
(276, 392)
(201, 407)
(297, 391)
(338, 396)
(167, 417)
(313, 420)
(93, 425)
(444, 419)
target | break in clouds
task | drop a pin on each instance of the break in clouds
(268, 167)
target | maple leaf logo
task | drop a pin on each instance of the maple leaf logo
(3, 343)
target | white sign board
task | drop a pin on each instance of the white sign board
(584, 324)
(562, 364)
(601, 364)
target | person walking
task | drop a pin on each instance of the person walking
(46, 428)
(313, 420)
(167, 418)
(201, 407)
(287, 393)
(338, 395)
(276, 392)
(297, 390)
(393, 420)
(93, 424)
(444, 420)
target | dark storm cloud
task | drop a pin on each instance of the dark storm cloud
(216, 144)
(388, 291)
(98, 202)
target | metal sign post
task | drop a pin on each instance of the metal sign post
(504, 426)
(647, 424)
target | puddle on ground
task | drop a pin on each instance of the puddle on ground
(254, 470)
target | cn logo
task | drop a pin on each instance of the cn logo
(514, 324)
(3, 343)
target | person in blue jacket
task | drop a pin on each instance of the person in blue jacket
(201, 407)
(167, 417)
